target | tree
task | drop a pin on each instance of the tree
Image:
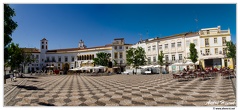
(9, 27)
(160, 60)
(193, 53)
(231, 51)
(27, 58)
(136, 57)
(102, 59)
(15, 58)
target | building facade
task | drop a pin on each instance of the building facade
(213, 47)
(77, 57)
(209, 42)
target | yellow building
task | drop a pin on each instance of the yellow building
(213, 48)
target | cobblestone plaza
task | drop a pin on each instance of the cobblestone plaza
(119, 90)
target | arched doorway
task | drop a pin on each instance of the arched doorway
(65, 68)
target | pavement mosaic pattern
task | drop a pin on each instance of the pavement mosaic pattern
(123, 90)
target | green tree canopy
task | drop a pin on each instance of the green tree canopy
(231, 51)
(193, 53)
(16, 56)
(27, 57)
(9, 27)
(102, 59)
(160, 58)
(136, 56)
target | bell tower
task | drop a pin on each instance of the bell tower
(81, 44)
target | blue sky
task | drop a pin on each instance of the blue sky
(98, 24)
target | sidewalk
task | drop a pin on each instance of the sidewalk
(10, 84)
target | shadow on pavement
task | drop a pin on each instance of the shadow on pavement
(29, 87)
(45, 104)
(29, 77)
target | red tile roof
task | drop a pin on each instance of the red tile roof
(75, 49)
(31, 50)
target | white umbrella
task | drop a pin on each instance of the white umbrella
(156, 66)
(189, 63)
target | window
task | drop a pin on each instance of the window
(208, 32)
(121, 61)
(42, 59)
(173, 45)
(180, 56)
(206, 42)
(126, 47)
(160, 46)
(46, 46)
(115, 47)
(120, 55)
(166, 57)
(195, 42)
(120, 47)
(154, 59)
(166, 46)
(42, 46)
(66, 59)
(42, 42)
(37, 56)
(207, 51)
(224, 40)
(224, 51)
(72, 58)
(149, 48)
(179, 44)
(149, 60)
(53, 59)
(216, 51)
(115, 55)
(46, 42)
(173, 57)
(215, 40)
(188, 43)
(154, 47)
(47, 58)
(59, 59)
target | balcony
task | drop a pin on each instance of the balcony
(212, 56)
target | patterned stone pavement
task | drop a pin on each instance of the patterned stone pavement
(123, 90)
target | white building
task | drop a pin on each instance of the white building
(77, 57)
(119, 48)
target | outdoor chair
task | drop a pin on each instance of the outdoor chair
(228, 73)
(182, 75)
